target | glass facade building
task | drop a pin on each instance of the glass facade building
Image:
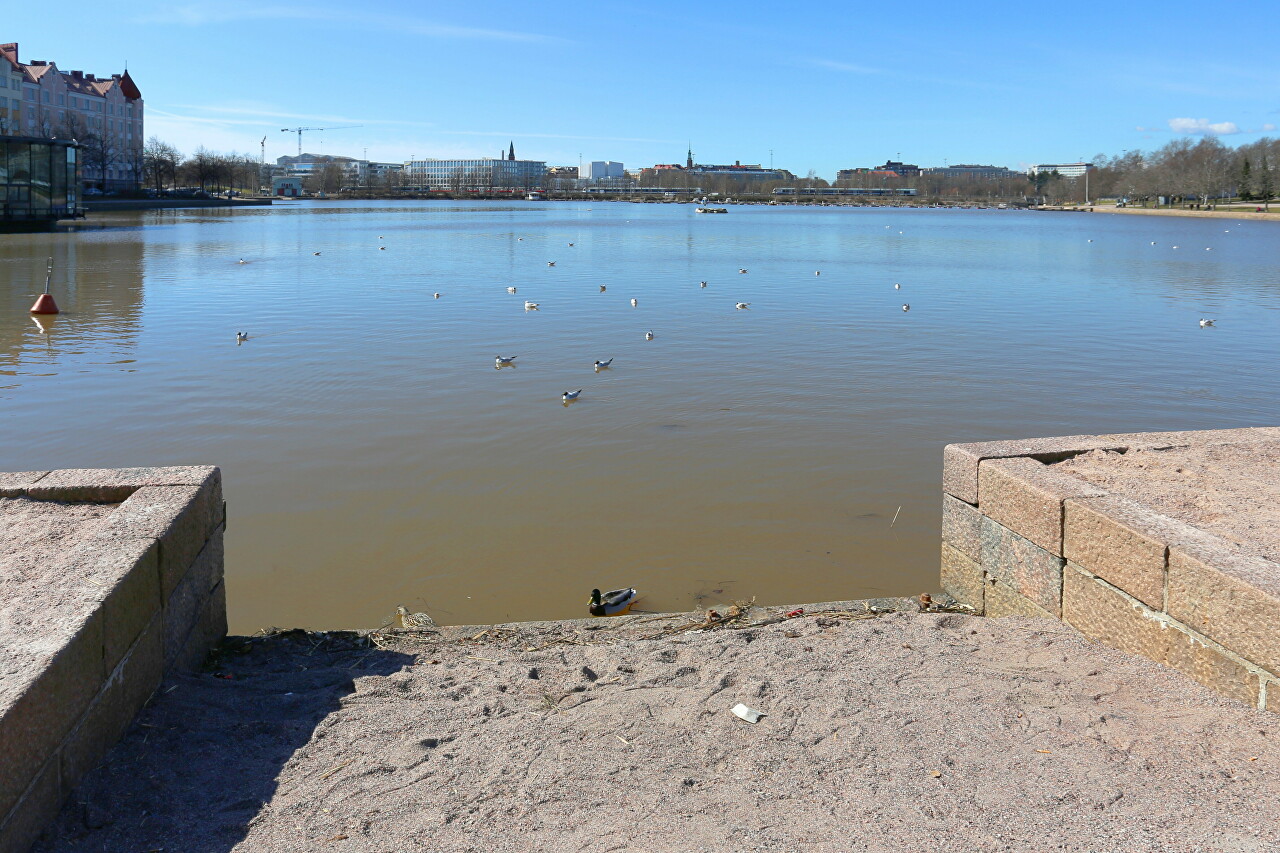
(478, 175)
(39, 181)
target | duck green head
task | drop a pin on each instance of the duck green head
(595, 596)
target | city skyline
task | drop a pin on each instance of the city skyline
(841, 88)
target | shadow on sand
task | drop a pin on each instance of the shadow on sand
(202, 758)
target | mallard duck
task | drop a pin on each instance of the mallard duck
(615, 602)
(414, 621)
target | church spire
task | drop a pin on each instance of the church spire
(511, 152)
(690, 161)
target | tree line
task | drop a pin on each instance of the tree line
(1186, 171)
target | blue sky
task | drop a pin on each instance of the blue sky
(824, 85)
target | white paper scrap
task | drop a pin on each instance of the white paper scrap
(749, 714)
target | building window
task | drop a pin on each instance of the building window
(62, 100)
(44, 96)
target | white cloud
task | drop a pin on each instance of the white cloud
(846, 67)
(198, 15)
(1202, 127)
(1268, 126)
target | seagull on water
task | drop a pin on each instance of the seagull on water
(742, 270)
(634, 303)
(603, 365)
(571, 395)
(530, 306)
(503, 362)
(382, 248)
(897, 287)
(317, 254)
(702, 284)
(241, 337)
(1205, 322)
(551, 263)
(435, 296)
(602, 288)
(648, 336)
(906, 307)
(743, 305)
(570, 244)
(817, 272)
(242, 261)
(511, 290)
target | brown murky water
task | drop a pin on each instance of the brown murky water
(374, 456)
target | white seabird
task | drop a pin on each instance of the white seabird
(634, 303)
(743, 305)
(241, 337)
(511, 290)
(571, 395)
(906, 307)
(648, 336)
(1205, 322)
(603, 365)
(500, 361)
(530, 306)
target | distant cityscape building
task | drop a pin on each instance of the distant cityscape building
(891, 168)
(475, 174)
(354, 171)
(103, 114)
(600, 170)
(564, 173)
(753, 172)
(968, 170)
(287, 187)
(1066, 170)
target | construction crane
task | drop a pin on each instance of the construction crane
(299, 130)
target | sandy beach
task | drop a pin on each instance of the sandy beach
(898, 731)
(1272, 216)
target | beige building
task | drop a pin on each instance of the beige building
(104, 114)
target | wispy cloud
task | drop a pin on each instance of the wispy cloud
(198, 15)
(846, 67)
(1203, 127)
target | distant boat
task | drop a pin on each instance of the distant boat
(533, 196)
(713, 210)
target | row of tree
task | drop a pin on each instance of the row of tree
(1200, 171)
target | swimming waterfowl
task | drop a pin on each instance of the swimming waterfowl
(602, 288)
(551, 263)
(702, 284)
(500, 361)
(511, 290)
(241, 337)
(743, 305)
(634, 303)
(906, 307)
(530, 306)
(648, 336)
(897, 287)
(571, 395)
(603, 365)
(742, 270)
(242, 261)
(615, 602)
(317, 254)
(1205, 322)
(414, 621)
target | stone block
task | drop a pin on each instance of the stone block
(1001, 600)
(1023, 566)
(961, 461)
(1026, 496)
(127, 689)
(1109, 616)
(1273, 696)
(962, 578)
(42, 800)
(14, 484)
(126, 573)
(1124, 543)
(961, 526)
(209, 630)
(114, 485)
(1229, 597)
(185, 606)
(179, 517)
(43, 699)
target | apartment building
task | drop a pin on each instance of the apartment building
(103, 114)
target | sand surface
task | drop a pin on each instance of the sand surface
(897, 732)
(1232, 490)
(1273, 215)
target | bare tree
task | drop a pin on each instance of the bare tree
(160, 163)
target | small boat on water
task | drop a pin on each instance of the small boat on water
(713, 210)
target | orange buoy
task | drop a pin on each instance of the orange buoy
(45, 305)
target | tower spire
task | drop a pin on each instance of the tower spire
(511, 152)
(690, 162)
